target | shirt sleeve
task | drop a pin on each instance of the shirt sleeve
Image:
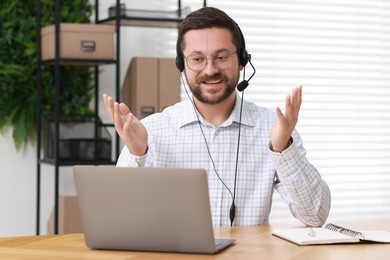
(127, 159)
(300, 185)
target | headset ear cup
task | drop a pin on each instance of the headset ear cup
(244, 57)
(179, 57)
(179, 63)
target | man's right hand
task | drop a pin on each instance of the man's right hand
(129, 128)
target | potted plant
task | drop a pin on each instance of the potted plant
(18, 63)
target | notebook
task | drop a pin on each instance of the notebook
(331, 234)
(146, 209)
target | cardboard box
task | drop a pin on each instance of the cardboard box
(150, 85)
(79, 41)
(69, 220)
(139, 89)
(168, 84)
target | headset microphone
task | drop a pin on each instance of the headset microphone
(244, 84)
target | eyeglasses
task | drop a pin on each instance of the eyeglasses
(221, 60)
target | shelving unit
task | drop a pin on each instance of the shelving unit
(56, 161)
(120, 19)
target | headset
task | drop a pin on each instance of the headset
(243, 56)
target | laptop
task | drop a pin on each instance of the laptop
(146, 209)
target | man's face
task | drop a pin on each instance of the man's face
(211, 85)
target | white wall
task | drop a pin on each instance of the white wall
(18, 182)
(17, 189)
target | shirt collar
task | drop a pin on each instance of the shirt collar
(188, 115)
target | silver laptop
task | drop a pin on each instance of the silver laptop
(146, 209)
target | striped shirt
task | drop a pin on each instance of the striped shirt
(176, 140)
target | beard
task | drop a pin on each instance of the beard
(200, 95)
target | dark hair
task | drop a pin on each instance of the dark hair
(209, 17)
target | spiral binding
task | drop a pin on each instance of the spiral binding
(345, 231)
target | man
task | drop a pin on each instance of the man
(246, 156)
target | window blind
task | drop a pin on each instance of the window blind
(340, 52)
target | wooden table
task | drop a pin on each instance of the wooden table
(254, 242)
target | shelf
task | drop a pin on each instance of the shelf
(78, 162)
(107, 125)
(145, 21)
(146, 18)
(82, 62)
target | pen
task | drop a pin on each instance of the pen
(312, 233)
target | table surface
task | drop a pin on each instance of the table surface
(253, 242)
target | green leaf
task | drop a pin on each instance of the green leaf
(18, 64)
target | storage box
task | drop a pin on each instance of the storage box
(79, 41)
(168, 83)
(139, 89)
(150, 85)
(69, 220)
(77, 140)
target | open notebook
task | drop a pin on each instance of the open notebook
(330, 234)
